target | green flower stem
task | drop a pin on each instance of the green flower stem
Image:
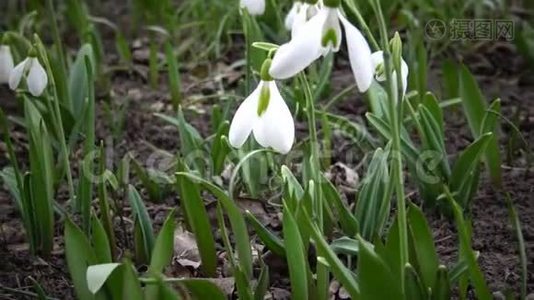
(310, 113)
(398, 179)
(59, 46)
(246, 32)
(56, 117)
(322, 272)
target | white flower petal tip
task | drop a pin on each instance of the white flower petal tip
(37, 79)
(359, 55)
(6, 64)
(274, 127)
(254, 7)
(16, 74)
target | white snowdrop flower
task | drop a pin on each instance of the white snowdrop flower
(377, 59)
(299, 14)
(265, 114)
(319, 36)
(6, 63)
(36, 78)
(254, 7)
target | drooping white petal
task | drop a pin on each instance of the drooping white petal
(303, 49)
(290, 18)
(6, 63)
(16, 74)
(244, 119)
(37, 79)
(359, 55)
(377, 59)
(254, 7)
(331, 25)
(275, 128)
(404, 72)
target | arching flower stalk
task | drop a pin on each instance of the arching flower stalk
(254, 7)
(265, 114)
(320, 36)
(6, 63)
(35, 74)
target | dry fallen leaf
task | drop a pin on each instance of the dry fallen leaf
(346, 179)
(279, 294)
(186, 249)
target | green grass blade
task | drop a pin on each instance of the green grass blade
(155, 189)
(373, 272)
(373, 203)
(130, 285)
(521, 245)
(450, 79)
(105, 214)
(42, 174)
(442, 288)
(493, 157)
(434, 136)
(161, 254)
(85, 193)
(458, 270)
(481, 119)
(220, 148)
(237, 222)
(263, 283)
(425, 250)
(164, 245)
(79, 83)
(295, 255)
(97, 275)
(342, 274)
(174, 75)
(293, 189)
(413, 287)
(345, 245)
(100, 241)
(142, 219)
(242, 284)
(199, 222)
(348, 222)
(476, 275)
(472, 100)
(203, 289)
(269, 239)
(79, 255)
(18, 189)
(466, 164)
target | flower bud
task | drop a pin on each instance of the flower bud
(396, 51)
